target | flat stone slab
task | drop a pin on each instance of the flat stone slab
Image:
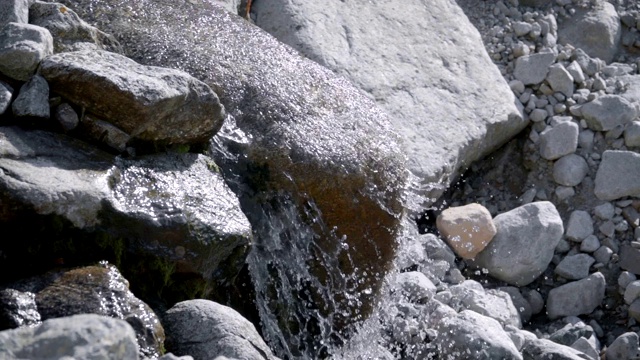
(618, 175)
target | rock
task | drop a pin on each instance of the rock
(521, 28)
(22, 47)
(632, 134)
(524, 243)
(617, 175)
(415, 286)
(475, 335)
(538, 115)
(103, 132)
(521, 304)
(70, 33)
(495, 304)
(6, 93)
(66, 117)
(558, 141)
(634, 310)
(97, 290)
(560, 79)
(535, 300)
(547, 349)
(176, 207)
(467, 229)
(589, 65)
(570, 170)
(576, 73)
(597, 31)
(533, 69)
(282, 156)
(583, 345)
(534, 3)
(625, 279)
(570, 333)
(85, 336)
(33, 99)
(590, 244)
(14, 11)
(625, 347)
(419, 89)
(605, 211)
(575, 267)
(205, 329)
(632, 292)
(576, 298)
(151, 104)
(18, 309)
(579, 226)
(603, 254)
(608, 111)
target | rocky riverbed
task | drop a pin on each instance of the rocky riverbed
(425, 180)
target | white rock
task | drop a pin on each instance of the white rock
(570, 170)
(559, 140)
(618, 175)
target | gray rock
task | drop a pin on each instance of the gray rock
(16, 11)
(590, 244)
(608, 111)
(469, 335)
(79, 337)
(66, 117)
(415, 286)
(538, 115)
(492, 303)
(533, 69)
(570, 170)
(524, 244)
(104, 132)
(70, 33)
(583, 345)
(558, 141)
(535, 300)
(33, 99)
(534, 3)
(547, 349)
(521, 28)
(575, 71)
(634, 310)
(575, 267)
(521, 304)
(22, 47)
(624, 347)
(580, 226)
(6, 93)
(597, 31)
(577, 297)
(625, 279)
(205, 329)
(588, 64)
(152, 104)
(605, 211)
(631, 292)
(617, 175)
(570, 333)
(632, 134)
(18, 309)
(447, 77)
(603, 254)
(170, 356)
(560, 79)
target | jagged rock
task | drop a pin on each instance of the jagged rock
(577, 297)
(16, 11)
(495, 304)
(588, 64)
(85, 336)
(469, 335)
(570, 170)
(608, 111)
(18, 309)
(70, 33)
(559, 140)
(618, 175)
(468, 229)
(97, 290)
(151, 104)
(580, 226)
(524, 243)
(576, 72)
(625, 347)
(33, 99)
(597, 31)
(446, 78)
(547, 349)
(301, 142)
(6, 93)
(560, 79)
(22, 47)
(205, 329)
(533, 69)
(176, 207)
(575, 267)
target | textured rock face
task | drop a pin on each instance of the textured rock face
(576, 298)
(524, 243)
(468, 229)
(149, 103)
(22, 47)
(445, 97)
(595, 31)
(617, 175)
(79, 337)
(205, 329)
(302, 134)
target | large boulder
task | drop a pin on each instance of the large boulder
(317, 164)
(524, 244)
(61, 198)
(425, 65)
(150, 103)
(205, 330)
(85, 336)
